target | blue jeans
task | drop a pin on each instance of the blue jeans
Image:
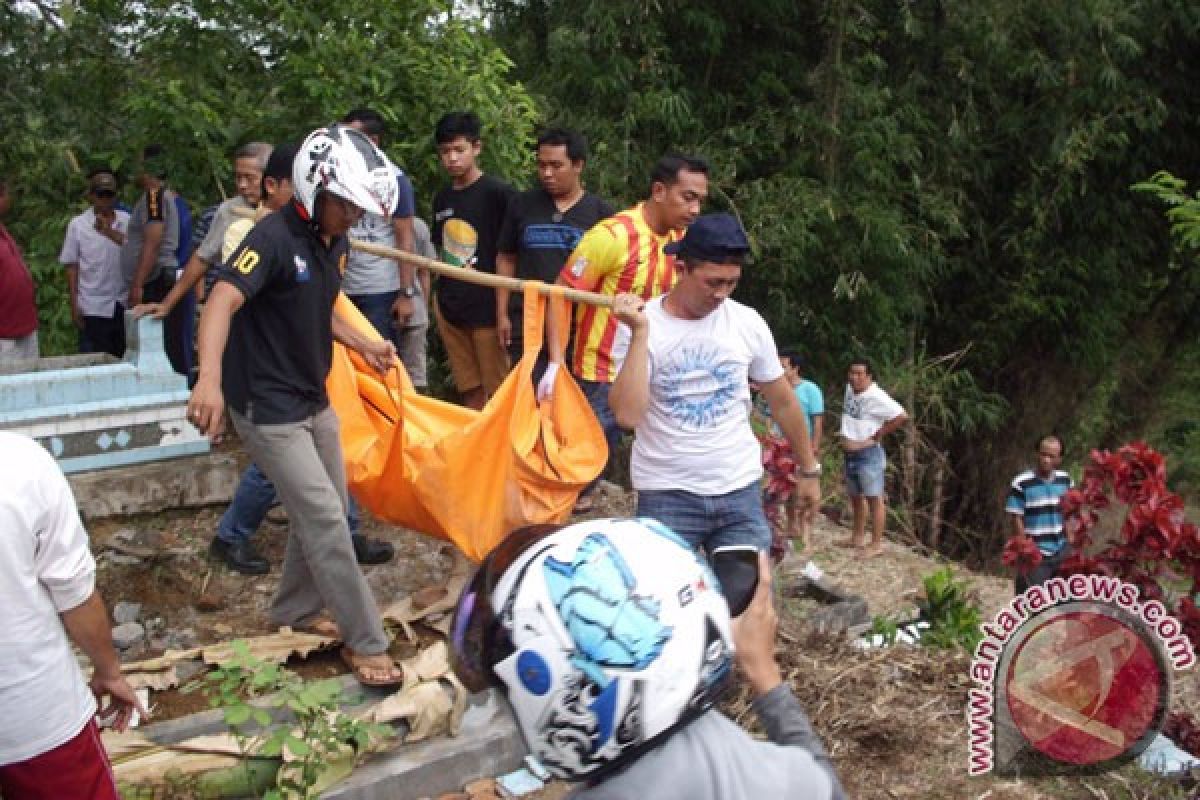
(254, 497)
(597, 397)
(377, 308)
(864, 472)
(710, 521)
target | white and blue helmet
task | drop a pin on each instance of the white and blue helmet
(607, 635)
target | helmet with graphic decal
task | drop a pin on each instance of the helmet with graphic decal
(607, 635)
(342, 160)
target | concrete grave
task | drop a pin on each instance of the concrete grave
(95, 412)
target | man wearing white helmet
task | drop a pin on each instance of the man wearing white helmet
(612, 641)
(282, 283)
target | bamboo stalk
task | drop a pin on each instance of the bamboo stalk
(471, 275)
(482, 278)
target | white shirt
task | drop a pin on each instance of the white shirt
(101, 285)
(696, 433)
(864, 414)
(45, 568)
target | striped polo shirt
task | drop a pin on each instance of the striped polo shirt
(1038, 501)
(620, 254)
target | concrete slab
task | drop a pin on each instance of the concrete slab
(488, 745)
(186, 482)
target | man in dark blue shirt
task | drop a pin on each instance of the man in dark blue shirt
(543, 225)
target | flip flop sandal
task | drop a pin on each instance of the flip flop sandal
(320, 625)
(363, 670)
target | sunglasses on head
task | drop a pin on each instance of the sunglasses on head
(477, 638)
(104, 193)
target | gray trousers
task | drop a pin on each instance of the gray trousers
(304, 461)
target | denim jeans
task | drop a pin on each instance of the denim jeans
(410, 341)
(710, 521)
(377, 308)
(597, 397)
(254, 497)
(864, 472)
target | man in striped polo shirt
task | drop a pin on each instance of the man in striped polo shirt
(624, 255)
(1034, 506)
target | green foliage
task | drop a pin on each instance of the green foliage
(92, 82)
(321, 742)
(918, 179)
(930, 178)
(951, 611)
(1184, 209)
(884, 627)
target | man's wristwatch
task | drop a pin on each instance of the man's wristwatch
(408, 291)
(813, 473)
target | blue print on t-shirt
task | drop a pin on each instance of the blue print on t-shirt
(699, 389)
(550, 237)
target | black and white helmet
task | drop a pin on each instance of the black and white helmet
(344, 161)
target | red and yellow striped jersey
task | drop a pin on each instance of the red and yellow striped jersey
(620, 254)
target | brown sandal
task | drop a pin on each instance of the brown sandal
(369, 669)
(320, 625)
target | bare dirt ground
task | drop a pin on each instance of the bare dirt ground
(893, 719)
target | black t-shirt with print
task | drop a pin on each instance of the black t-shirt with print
(466, 230)
(281, 341)
(543, 237)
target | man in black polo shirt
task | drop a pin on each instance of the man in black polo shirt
(543, 225)
(273, 306)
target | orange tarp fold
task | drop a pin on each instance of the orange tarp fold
(466, 476)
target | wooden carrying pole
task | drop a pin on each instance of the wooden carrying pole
(471, 275)
(482, 278)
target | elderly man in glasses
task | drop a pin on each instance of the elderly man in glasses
(91, 253)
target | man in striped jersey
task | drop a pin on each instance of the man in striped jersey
(1035, 509)
(624, 255)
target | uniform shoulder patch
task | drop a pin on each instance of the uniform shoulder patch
(247, 259)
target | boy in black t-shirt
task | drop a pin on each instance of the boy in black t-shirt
(467, 215)
(543, 225)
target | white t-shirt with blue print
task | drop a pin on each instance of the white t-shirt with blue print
(696, 433)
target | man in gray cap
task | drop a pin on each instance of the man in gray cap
(686, 361)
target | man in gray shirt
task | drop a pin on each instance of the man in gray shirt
(248, 164)
(712, 758)
(388, 292)
(148, 259)
(611, 641)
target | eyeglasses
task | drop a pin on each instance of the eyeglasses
(103, 193)
(477, 638)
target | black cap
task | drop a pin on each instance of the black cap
(717, 238)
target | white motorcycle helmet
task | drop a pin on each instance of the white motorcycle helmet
(607, 635)
(344, 161)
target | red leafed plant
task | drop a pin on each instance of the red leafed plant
(1158, 550)
(780, 467)
(1022, 553)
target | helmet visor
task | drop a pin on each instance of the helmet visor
(477, 638)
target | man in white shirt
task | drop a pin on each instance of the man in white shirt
(49, 746)
(868, 414)
(91, 253)
(686, 360)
